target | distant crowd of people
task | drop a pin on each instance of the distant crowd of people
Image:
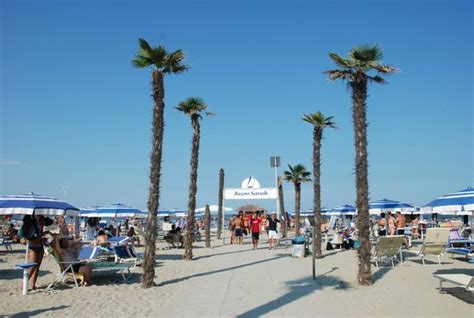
(254, 223)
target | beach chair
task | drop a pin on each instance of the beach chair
(387, 248)
(66, 270)
(462, 280)
(435, 243)
(6, 243)
(122, 254)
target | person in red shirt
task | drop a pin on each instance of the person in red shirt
(255, 223)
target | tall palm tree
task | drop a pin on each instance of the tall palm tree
(221, 203)
(193, 107)
(355, 69)
(298, 175)
(319, 122)
(162, 63)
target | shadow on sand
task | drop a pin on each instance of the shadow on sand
(298, 289)
(177, 280)
(36, 312)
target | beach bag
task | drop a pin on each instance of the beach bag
(29, 230)
(329, 246)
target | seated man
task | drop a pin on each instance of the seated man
(101, 239)
(12, 233)
(68, 251)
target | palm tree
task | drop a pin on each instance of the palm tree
(320, 122)
(298, 175)
(355, 71)
(162, 63)
(193, 107)
(221, 203)
(207, 226)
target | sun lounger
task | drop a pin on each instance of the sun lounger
(66, 269)
(122, 254)
(435, 243)
(119, 240)
(387, 248)
(462, 280)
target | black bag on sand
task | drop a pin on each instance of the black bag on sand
(329, 247)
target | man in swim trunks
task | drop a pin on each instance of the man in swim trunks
(238, 224)
(401, 223)
(272, 230)
(255, 222)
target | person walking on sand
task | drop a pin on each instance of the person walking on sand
(272, 230)
(255, 223)
(238, 224)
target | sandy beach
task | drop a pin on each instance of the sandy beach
(236, 281)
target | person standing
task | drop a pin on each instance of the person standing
(400, 223)
(35, 246)
(392, 228)
(255, 223)
(238, 224)
(272, 230)
(91, 228)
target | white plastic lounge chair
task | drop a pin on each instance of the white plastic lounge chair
(462, 280)
(388, 247)
(435, 243)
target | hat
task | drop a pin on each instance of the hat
(274, 213)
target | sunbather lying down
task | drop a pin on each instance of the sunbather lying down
(68, 251)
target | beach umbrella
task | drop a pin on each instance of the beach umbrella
(214, 209)
(310, 212)
(456, 203)
(386, 205)
(342, 210)
(117, 210)
(27, 204)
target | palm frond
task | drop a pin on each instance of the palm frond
(174, 62)
(144, 45)
(366, 53)
(192, 106)
(346, 63)
(297, 174)
(319, 120)
(377, 79)
(141, 62)
(345, 75)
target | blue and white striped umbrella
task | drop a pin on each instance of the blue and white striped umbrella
(35, 203)
(343, 210)
(386, 205)
(309, 212)
(117, 210)
(458, 203)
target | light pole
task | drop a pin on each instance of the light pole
(275, 163)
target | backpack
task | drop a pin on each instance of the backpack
(29, 230)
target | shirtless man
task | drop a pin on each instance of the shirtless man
(238, 224)
(401, 223)
(391, 224)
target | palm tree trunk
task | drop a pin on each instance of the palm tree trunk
(221, 203)
(207, 226)
(191, 221)
(155, 174)
(297, 207)
(281, 203)
(359, 99)
(317, 137)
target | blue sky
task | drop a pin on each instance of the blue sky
(75, 113)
